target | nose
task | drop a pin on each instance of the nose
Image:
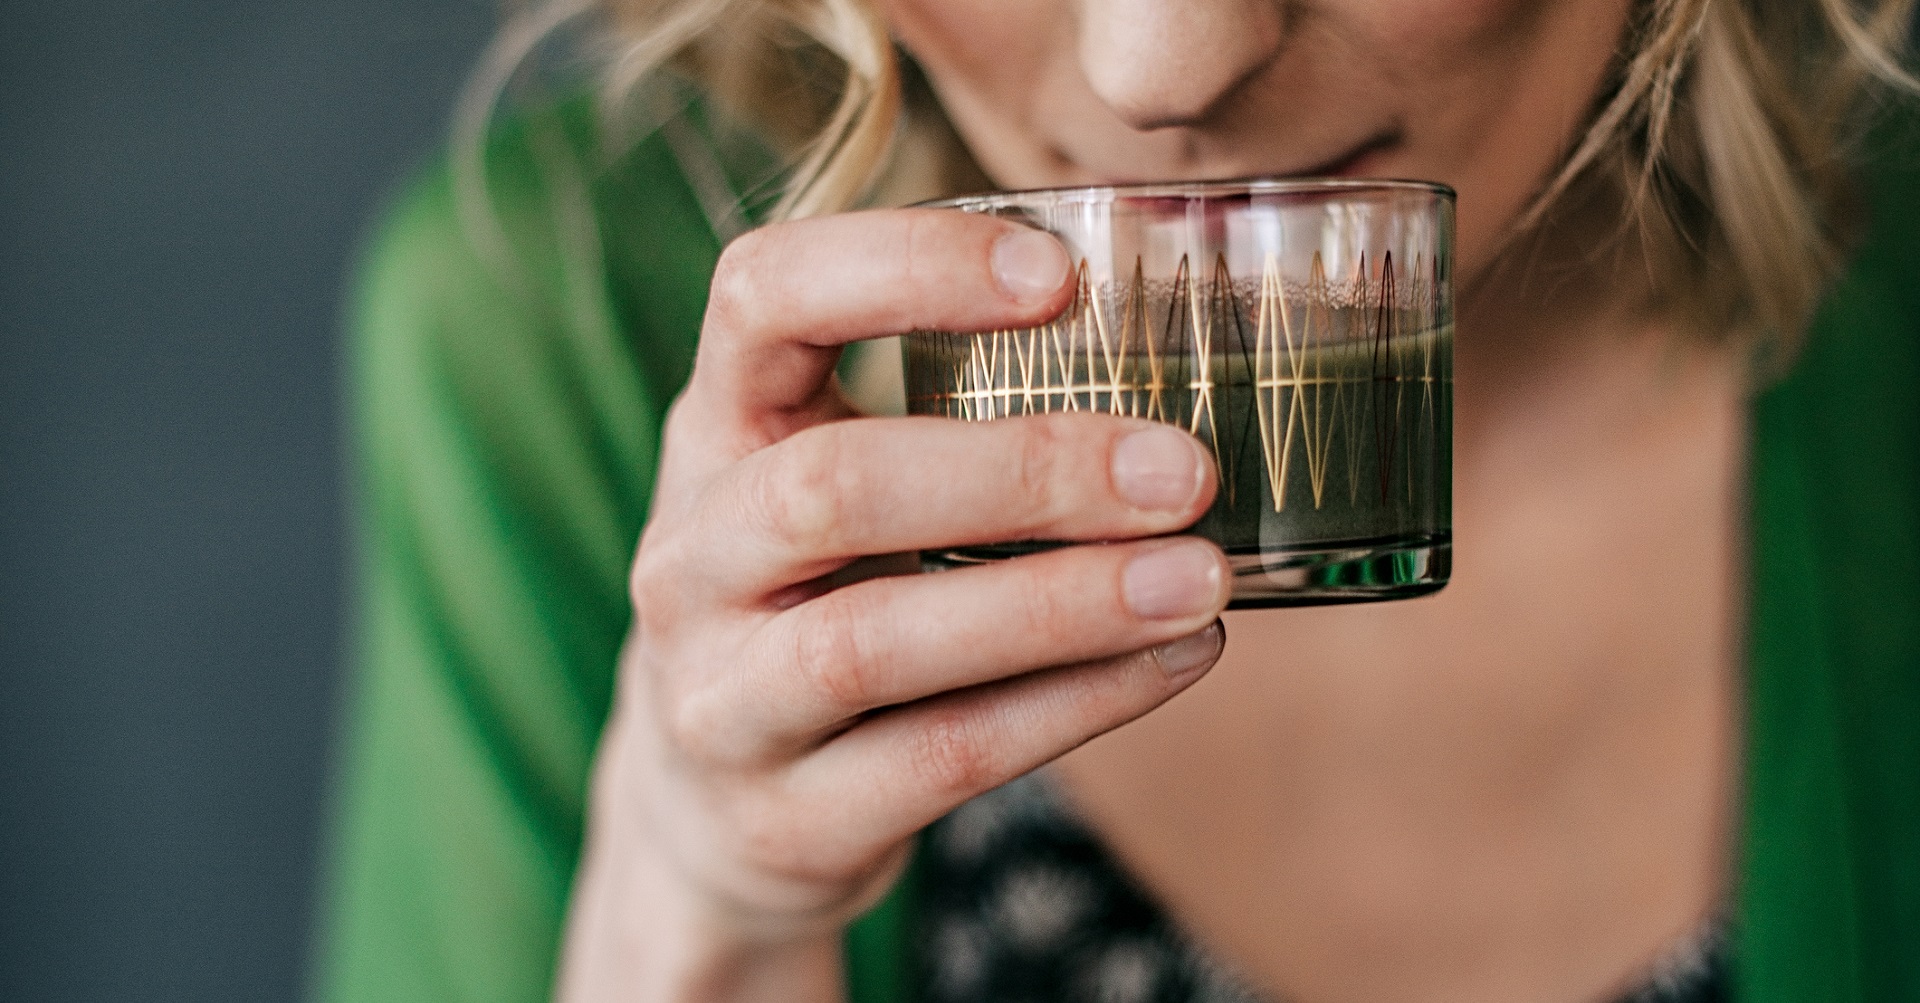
(1161, 63)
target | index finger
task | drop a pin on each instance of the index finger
(786, 298)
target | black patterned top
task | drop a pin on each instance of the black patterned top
(1020, 902)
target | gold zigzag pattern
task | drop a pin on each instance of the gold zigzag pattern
(1310, 380)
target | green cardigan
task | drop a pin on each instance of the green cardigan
(507, 410)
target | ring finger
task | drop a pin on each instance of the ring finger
(890, 641)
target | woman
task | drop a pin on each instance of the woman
(1662, 708)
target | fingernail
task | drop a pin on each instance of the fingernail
(1029, 264)
(1157, 468)
(1177, 658)
(1179, 579)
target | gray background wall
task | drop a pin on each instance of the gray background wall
(181, 185)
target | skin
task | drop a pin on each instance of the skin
(1517, 789)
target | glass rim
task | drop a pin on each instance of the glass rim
(1225, 188)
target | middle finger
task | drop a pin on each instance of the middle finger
(807, 505)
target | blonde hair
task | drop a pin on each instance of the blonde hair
(1722, 134)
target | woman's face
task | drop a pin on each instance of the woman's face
(1483, 95)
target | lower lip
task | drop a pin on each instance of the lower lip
(1352, 168)
(1360, 163)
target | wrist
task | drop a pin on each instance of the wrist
(640, 930)
(636, 933)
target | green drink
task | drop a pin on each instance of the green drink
(1325, 393)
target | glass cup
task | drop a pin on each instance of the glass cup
(1302, 330)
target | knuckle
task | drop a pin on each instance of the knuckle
(1045, 611)
(773, 837)
(951, 757)
(918, 233)
(800, 493)
(832, 653)
(648, 585)
(683, 426)
(764, 829)
(691, 722)
(1037, 455)
(657, 581)
(737, 292)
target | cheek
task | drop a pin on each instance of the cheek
(983, 42)
(1449, 36)
(1495, 92)
(996, 65)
